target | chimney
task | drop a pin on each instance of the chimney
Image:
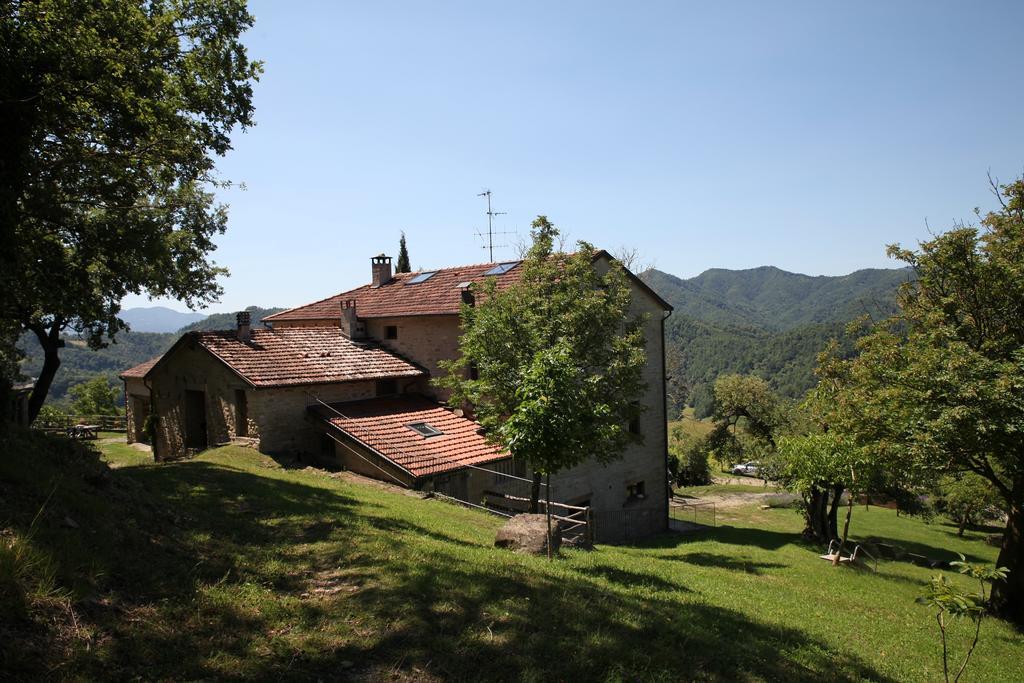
(467, 295)
(351, 326)
(381, 270)
(244, 330)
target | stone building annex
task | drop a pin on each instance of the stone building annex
(345, 382)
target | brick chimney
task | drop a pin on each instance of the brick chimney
(244, 330)
(381, 270)
(351, 326)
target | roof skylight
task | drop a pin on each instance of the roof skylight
(422, 277)
(423, 429)
(502, 268)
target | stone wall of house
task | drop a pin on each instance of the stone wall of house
(617, 515)
(193, 369)
(351, 455)
(135, 392)
(280, 414)
(423, 339)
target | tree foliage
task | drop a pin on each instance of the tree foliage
(820, 467)
(967, 499)
(551, 364)
(95, 397)
(112, 115)
(939, 387)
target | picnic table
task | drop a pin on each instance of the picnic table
(82, 432)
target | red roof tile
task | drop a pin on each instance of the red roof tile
(140, 370)
(304, 355)
(438, 295)
(296, 356)
(383, 425)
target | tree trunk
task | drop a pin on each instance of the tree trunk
(817, 516)
(833, 513)
(535, 493)
(1008, 595)
(837, 492)
(547, 511)
(963, 525)
(51, 342)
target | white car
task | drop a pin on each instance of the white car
(748, 468)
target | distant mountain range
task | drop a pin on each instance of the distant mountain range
(158, 319)
(763, 321)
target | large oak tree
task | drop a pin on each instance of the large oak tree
(112, 115)
(940, 387)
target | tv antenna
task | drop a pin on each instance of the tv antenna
(490, 226)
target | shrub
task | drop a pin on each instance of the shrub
(692, 465)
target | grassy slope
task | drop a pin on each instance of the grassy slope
(230, 566)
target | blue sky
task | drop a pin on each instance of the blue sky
(731, 135)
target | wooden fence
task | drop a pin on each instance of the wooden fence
(66, 423)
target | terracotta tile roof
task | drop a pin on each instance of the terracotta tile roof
(140, 370)
(304, 355)
(438, 295)
(383, 425)
(296, 356)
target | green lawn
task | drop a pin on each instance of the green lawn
(229, 566)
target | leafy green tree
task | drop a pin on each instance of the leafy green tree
(748, 399)
(112, 114)
(551, 365)
(967, 499)
(820, 467)
(938, 387)
(403, 265)
(95, 397)
(747, 403)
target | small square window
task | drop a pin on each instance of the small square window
(391, 331)
(634, 425)
(387, 387)
(423, 429)
(636, 490)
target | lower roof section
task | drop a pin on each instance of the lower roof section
(415, 433)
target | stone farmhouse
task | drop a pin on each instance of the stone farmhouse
(344, 382)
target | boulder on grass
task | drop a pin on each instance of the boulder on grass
(529, 534)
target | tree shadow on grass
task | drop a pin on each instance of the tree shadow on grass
(747, 536)
(630, 579)
(457, 621)
(726, 562)
(932, 553)
(218, 591)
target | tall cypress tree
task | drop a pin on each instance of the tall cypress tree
(403, 257)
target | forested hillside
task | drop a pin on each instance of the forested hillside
(763, 321)
(80, 363)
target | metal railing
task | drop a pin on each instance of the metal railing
(693, 511)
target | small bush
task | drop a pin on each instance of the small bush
(692, 466)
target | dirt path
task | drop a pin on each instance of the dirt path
(732, 500)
